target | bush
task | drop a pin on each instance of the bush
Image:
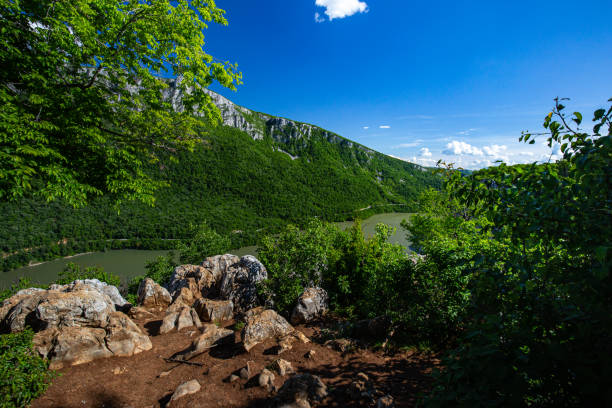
(23, 373)
(205, 242)
(296, 259)
(22, 283)
(74, 272)
(538, 327)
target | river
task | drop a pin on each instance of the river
(128, 263)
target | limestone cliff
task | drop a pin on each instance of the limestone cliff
(258, 125)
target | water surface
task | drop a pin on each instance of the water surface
(129, 263)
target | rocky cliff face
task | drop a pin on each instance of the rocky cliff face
(258, 125)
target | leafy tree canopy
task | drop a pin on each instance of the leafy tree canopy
(81, 100)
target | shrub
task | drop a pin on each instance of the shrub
(539, 323)
(296, 259)
(74, 272)
(23, 373)
(204, 242)
(22, 283)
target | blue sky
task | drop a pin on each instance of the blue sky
(452, 80)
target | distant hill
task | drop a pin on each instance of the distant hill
(253, 174)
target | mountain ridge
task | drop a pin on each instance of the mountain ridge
(250, 176)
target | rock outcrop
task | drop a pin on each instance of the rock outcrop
(222, 277)
(312, 303)
(74, 323)
(179, 316)
(214, 310)
(240, 283)
(152, 296)
(263, 326)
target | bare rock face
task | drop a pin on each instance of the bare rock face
(179, 316)
(152, 296)
(71, 345)
(239, 283)
(79, 308)
(186, 388)
(300, 391)
(124, 337)
(140, 313)
(220, 277)
(94, 285)
(74, 323)
(214, 310)
(312, 303)
(202, 280)
(19, 308)
(263, 326)
(210, 337)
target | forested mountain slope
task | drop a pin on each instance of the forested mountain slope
(255, 172)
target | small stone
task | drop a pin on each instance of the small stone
(248, 371)
(283, 367)
(164, 373)
(266, 379)
(119, 370)
(186, 388)
(310, 354)
(385, 402)
(233, 378)
(341, 345)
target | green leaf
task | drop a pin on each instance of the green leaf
(578, 118)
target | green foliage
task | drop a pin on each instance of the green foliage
(241, 187)
(161, 268)
(23, 373)
(360, 282)
(22, 283)
(204, 242)
(74, 272)
(82, 111)
(361, 276)
(296, 259)
(538, 328)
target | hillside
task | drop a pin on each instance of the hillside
(255, 172)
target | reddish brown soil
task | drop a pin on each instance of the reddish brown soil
(122, 382)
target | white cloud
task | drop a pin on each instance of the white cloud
(462, 148)
(341, 8)
(319, 18)
(385, 127)
(424, 152)
(495, 150)
(366, 127)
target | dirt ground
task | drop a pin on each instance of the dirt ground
(147, 380)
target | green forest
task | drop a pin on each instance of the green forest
(242, 188)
